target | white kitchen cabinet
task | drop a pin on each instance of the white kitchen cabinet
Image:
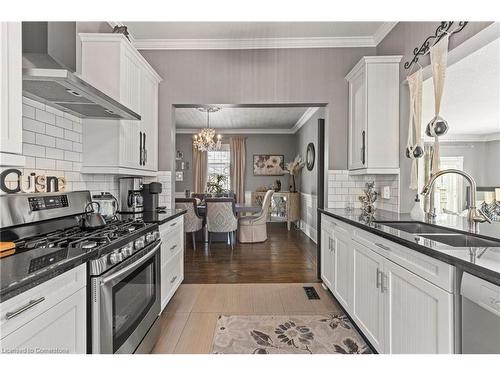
(327, 258)
(113, 65)
(373, 145)
(419, 315)
(343, 267)
(172, 258)
(48, 317)
(400, 299)
(368, 303)
(11, 128)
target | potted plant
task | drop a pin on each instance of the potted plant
(215, 184)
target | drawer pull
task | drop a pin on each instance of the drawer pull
(173, 279)
(379, 278)
(173, 247)
(383, 246)
(173, 224)
(26, 307)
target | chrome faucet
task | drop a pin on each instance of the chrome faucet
(475, 215)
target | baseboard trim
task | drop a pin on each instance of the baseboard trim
(309, 231)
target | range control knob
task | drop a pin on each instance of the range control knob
(139, 243)
(127, 250)
(115, 257)
(150, 237)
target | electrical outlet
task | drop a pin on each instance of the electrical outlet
(386, 192)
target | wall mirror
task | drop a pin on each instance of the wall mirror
(471, 107)
(310, 156)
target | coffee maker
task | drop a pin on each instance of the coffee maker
(130, 194)
(150, 195)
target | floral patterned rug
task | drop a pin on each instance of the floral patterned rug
(301, 334)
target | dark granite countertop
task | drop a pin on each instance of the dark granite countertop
(480, 261)
(158, 217)
(16, 276)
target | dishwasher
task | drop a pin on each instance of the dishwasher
(480, 316)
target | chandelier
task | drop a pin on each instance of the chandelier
(206, 140)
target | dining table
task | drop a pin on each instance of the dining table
(239, 209)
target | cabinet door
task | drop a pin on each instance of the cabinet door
(342, 262)
(368, 302)
(326, 257)
(419, 315)
(62, 328)
(130, 130)
(357, 121)
(149, 121)
(10, 88)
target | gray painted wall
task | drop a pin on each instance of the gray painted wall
(309, 133)
(480, 159)
(280, 144)
(401, 41)
(280, 76)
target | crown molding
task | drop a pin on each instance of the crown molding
(257, 43)
(382, 31)
(304, 118)
(238, 131)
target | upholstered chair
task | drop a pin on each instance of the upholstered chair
(221, 218)
(192, 222)
(253, 228)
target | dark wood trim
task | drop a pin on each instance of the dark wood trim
(321, 188)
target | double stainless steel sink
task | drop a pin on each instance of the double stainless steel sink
(439, 234)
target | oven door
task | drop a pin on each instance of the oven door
(126, 302)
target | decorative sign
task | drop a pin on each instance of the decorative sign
(31, 183)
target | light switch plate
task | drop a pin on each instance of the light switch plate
(386, 192)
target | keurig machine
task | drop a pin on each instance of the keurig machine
(150, 196)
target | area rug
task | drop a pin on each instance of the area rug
(276, 334)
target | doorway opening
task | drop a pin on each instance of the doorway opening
(262, 148)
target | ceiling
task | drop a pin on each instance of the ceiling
(243, 35)
(244, 120)
(471, 99)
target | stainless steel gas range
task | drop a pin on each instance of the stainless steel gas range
(123, 264)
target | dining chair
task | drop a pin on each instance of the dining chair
(253, 229)
(220, 216)
(192, 221)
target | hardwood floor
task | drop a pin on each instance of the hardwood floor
(286, 257)
(188, 322)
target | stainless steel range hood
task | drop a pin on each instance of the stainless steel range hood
(49, 56)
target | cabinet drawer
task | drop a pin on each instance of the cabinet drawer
(172, 274)
(430, 269)
(32, 303)
(172, 245)
(172, 225)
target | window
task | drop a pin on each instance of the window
(218, 162)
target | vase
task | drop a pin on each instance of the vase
(293, 189)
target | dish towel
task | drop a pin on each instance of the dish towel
(439, 60)
(414, 148)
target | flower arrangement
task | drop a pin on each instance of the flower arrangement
(293, 168)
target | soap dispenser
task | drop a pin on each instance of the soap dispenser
(417, 213)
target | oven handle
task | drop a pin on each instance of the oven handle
(137, 263)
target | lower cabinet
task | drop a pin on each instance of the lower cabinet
(397, 310)
(327, 257)
(48, 319)
(368, 305)
(172, 258)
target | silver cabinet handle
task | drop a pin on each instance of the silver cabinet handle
(173, 279)
(173, 224)
(379, 278)
(26, 307)
(383, 246)
(383, 279)
(173, 247)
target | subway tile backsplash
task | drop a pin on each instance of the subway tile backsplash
(52, 145)
(343, 187)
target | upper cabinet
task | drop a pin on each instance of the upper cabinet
(11, 141)
(114, 66)
(374, 115)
